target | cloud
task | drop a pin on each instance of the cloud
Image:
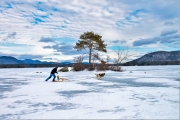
(169, 23)
(10, 36)
(4, 54)
(118, 41)
(65, 49)
(46, 39)
(27, 26)
(168, 32)
(176, 45)
(56, 54)
(171, 38)
(145, 41)
(30, 56)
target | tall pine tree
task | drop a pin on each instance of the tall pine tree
(91, 41)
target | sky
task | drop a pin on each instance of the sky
(47, 30)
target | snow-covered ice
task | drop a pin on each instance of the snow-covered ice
(148, 92)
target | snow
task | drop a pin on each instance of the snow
(148, 92)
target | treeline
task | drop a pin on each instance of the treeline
(70, 65)
(152, 63)
(40, 65)
(32, 65)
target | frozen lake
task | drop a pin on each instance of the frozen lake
(148, 92)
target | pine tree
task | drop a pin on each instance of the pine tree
(91, 41)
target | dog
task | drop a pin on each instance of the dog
(100, 75)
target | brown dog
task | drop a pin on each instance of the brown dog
(100, 75)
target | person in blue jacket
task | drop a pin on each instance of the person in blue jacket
(53, 71)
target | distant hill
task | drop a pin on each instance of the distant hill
(29, 61)
(65, 63)
(9, 60)
(154, 58)
(12, 60)
(158, 57)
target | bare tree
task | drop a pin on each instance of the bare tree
(95, 57)
(78, 63)
(122, 55)
(107, 59)
(103, 64)
(79, 59)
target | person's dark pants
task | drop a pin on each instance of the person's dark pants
(51, 76)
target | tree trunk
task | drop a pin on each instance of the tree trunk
(90, 50)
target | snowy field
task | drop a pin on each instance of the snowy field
(149, 92)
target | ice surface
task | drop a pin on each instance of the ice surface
(147, 92)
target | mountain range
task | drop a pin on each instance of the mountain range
(158, 57)
(12, 60)
(9, 60)
(150, 57)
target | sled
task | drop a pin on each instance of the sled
(60, 80)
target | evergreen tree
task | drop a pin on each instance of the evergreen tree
(91, 41)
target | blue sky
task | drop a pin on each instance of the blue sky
(48, 29)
